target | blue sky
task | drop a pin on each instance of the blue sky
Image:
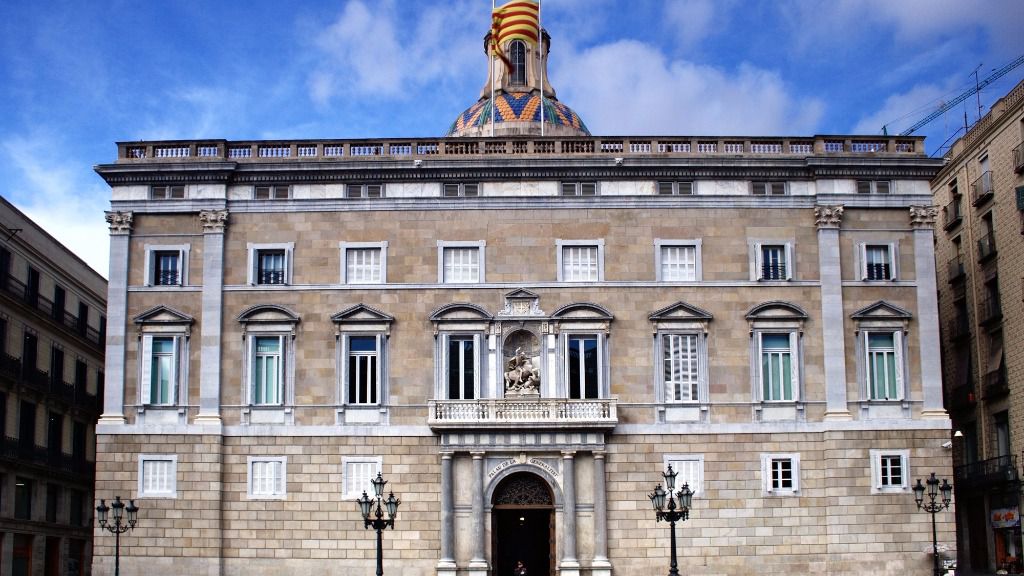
(77, 76)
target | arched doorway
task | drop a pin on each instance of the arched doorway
(523, 525)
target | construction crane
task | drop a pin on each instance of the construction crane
(977, 88)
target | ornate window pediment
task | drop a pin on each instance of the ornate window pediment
(365, 318)
(778, 312)
(582, 311)
(681, 315)
(268, 314)
(521, 302)
(165, 316)
(881, 310)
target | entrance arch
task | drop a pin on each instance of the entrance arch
(523, 525)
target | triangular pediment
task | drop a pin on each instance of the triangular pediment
(680, 311)
(268, 313)
(776, 310)
(582, 311)
(460, 311)
(362, 313)
(881, 309)
(163, 315)
(520, 293)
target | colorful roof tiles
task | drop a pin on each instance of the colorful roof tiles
(523, 107)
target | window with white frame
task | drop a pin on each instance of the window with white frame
(675, 188)
(689, 469)
(764, 188)
(364, 191)
(890, 470)
(166, 265)
(362, 337)
(460, 189)
(678, 260)
(161, 359)
(364, 262)
(357, 475)
(878, 262)
(271, 192)
(780, 473)
(583, 365)
(773, 261)
(681, 363)
(884, 364)
(267, 370)
(167, 192)
(580, 260)
(158, 476)
(681, 359)
(462, 366)
(579, 189)
(363, 369)
(267, 477)
(270, 264)
(460, 262)
(269, 361)
(779, 369)
(873, 186)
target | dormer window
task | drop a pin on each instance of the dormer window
(517, 58)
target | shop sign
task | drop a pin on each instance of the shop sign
(1005, 517)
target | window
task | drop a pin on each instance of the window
(23, 498)
(267, 370)
(364, 191)
(884, 364)
(517, 57)
(878, 262)
(873, 186)
(582, 365)
(579, 189)
(689, 469)
(166, 265)
(167, 192)
(271, 192)
(781, 473)
(675, 188)
(777, 371)
(890, 471)
(678, 260)
(364, 262)
(763, 188)
(267, 478)
(162, 359)
(76, 502)
(52, 502)
(580, 260)
(455, 190)
(158, 476)
(460, 262)
(462, 366)
(357, 473)
(270, 264)
(363, 375)
(681, 367)
(773, 262)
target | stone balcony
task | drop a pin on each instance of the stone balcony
(495, 413)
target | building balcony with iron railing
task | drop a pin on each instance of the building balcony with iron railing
(952, 213)
(986, 247)
(509, 413)
(955, 269)
(28, 453)
(989, 473)
(13, 369)
(994, 384)
(990, 310)
(21, 292)
(959, 328)
(1018, 158)
(982, 189)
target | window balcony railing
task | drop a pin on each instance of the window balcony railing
(878, 271)
(271, 277)
(36, 379)
(508, 412)
(19, 290)
(987, 246)
(989, 310)
(952, 213)
(955, 268)
(1018, 158)
(10, 366)
(995, 384)
(166, 278)
(959, 329)
(982, 189)
(773, 272)
(986, 473)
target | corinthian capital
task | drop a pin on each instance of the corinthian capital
(213, 220)
(120, 223)
(828, 216)
(923, 216)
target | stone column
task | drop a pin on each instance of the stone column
(478, 563)
(214, 222)
(446, 565)
(117, 311)
(829, 220)
(601, 566)
(922, 220)
(569, 566)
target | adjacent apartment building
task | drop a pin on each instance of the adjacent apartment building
(521, 325)
(980, 252)
(52, 325)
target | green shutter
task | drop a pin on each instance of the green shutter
(1020, 197)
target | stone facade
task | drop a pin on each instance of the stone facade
(981, 261)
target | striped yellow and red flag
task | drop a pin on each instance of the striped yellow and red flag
(516, 20)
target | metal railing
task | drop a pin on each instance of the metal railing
(987, 246)
(982, 188)
(1018, 158)
(952, 213)
(998, 470)
(503, 412)
(959, 328)
(20, 291)
(989, 310)
(878, 271)
(166, 278)
(271, 277)
(773, 272)
(994, 384)
(955, 268)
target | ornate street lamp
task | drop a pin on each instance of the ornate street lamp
(378, 522)
(118, 524)
(932, 507)
(672, 514)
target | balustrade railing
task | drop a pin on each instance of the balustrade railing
(498, 412)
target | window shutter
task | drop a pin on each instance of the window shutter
(176, 361)
(758, 261)
(477, 352)
(147, 369)
(766, 473)
(794, 363)
(1020, 197)
(281, 369)
(897, 342)
(862, 260)
(254, 265)
(379, 383)
(250, 373)
(789, 261)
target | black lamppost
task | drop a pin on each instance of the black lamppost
(117, 526)
(932, 507)
(378, 522)
(672, 514)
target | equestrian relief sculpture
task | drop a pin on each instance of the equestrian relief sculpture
(521, 377)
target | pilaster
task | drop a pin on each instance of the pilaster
(569, 566)
(214, 222)
(446, 565)
(478, 563)
(922, 221)
(829, 220)
(117, 311)
(600, 566)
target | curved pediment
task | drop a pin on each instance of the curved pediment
(582, 311)
(361, 313)
(776, 310)
(268, 313)
(460, 311)
(680, 311)
(881, 310)
(163, 315)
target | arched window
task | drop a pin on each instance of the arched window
(517, 56)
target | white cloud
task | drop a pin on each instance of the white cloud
(60, 197)
(694, 20)
(902, 110)
(630, 87)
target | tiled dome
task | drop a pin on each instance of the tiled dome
(518, 107)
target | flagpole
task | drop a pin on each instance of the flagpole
(490, 62)
(543, 65)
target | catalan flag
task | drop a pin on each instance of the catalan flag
(517, 20)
